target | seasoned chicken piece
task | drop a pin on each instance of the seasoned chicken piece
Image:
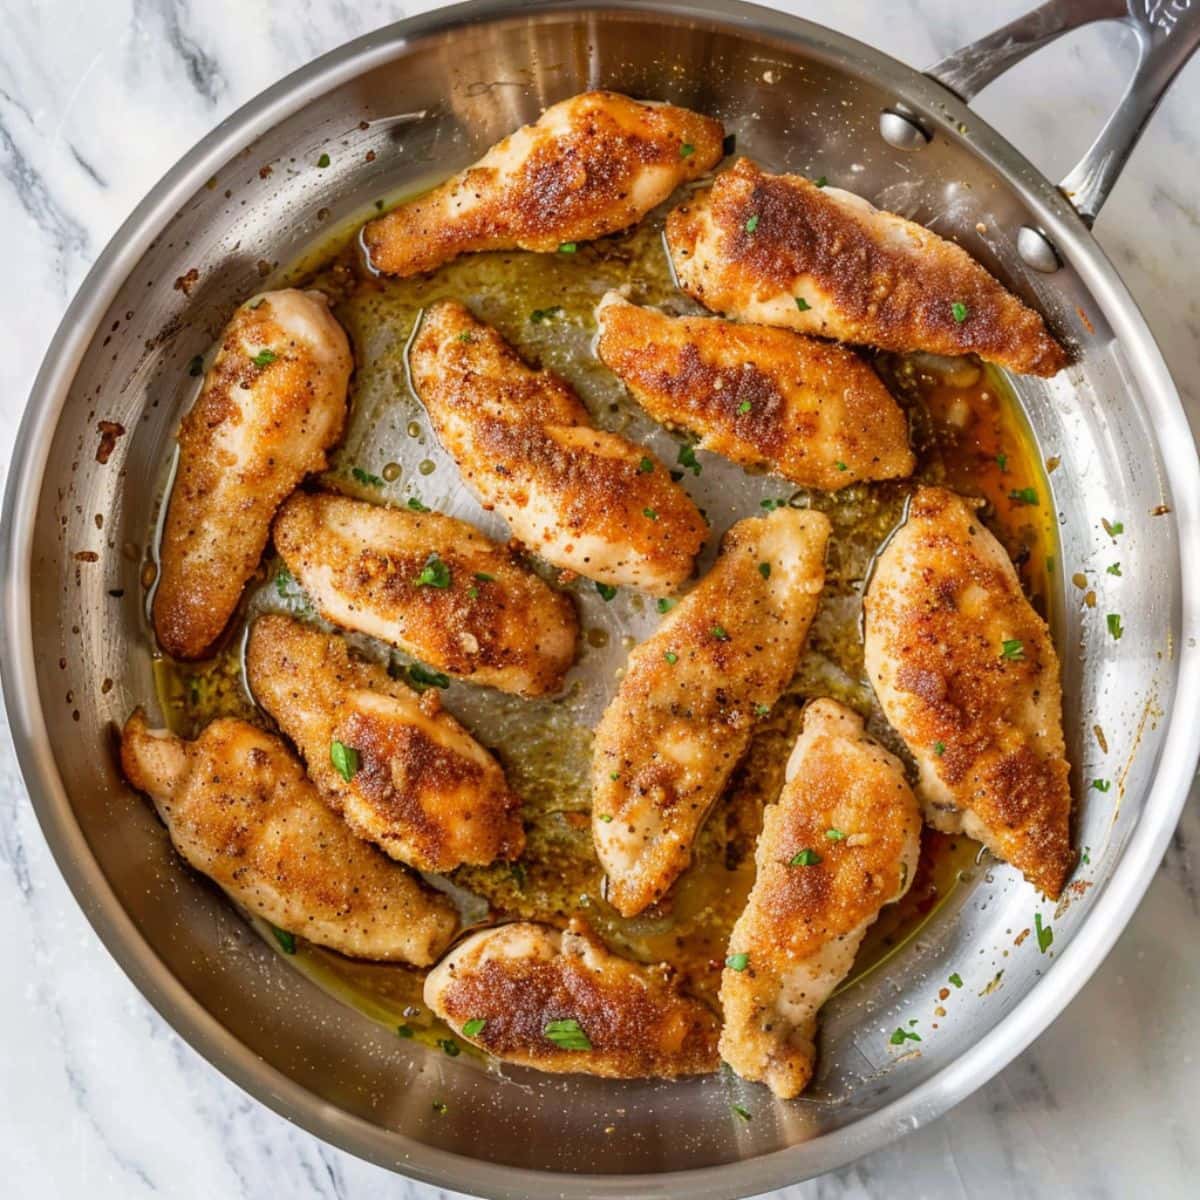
(814, 413)
(240, 810)
(589, 501)
(592, 165)
(841, 843)
(685, 711)
(561, 1002)
(967, 675)
(432, 585)
(272, 403)
(402, 772)
(780, 250)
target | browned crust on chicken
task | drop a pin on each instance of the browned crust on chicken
(592, 165)
(753, 244)
(985, 728)
(814, 413)
(691, 696)
(519, 978)
(578, 496)
(240, 809)
(494, 622)
(422, 788)
(256, 429)
(841, 842)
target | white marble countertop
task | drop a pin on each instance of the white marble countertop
(97, 1095)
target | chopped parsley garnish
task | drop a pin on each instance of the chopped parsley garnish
(762, 710)
(687, 460)
(282, 582)
(423, 678)
(821, 181)
(440, 1107)
(770, 505)
(752, 224)
(718, 631)
(287, 941)
(1101, 785)
(434, 573)
(365, 477)
(614, 775)
(450, 1046)
(903, 1035)
(1013, 649)
(605, 817)
(665, 604)
(344, 759)
(1087, 856)
(959, 310)
(606, 590)
(323, 161)
(841, 466)
(764, 569)
(1114, 569)
(404, 1031)
(802, 304)
(196, 366)
(805, 858)
(263, 358)
(956, 979)
(745, 406)
(466, 336)
(738, 962)
(1002, 461)
(1045, 934)
(835, 835)
(650, 513)
(472, 593)
(567, 1035)
(1114, 625)
(739, 1111)
(568, 248)
(1112, 528)
(415, 504)
(687, 150)
(645, 466)
(939, 748)
(545, 314)
(484, 577)
(1024, 495)
(671, 657)
(474, 1027)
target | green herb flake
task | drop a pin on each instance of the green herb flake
(1113, 621)
(1087, 856)
(821, 181)
(835, 835)
(263, 358)
(323, 161)
(1012, 649)
(956, 979)
(344, 759)
(959, 311)
(434, 573)
(614, 775)
(606, 590)
(545, 314)
(287, 941)
(718, 631)
(1002, 461)
(665, 604)
(1102, 785)
(283, 581)
(1024, 496)
(650, 513)
(738, 962)
(802, 304)
(903, 1035)
(472, 593)
(752, 224)
(770, 505)
(1112, 528)
(566, 1034)
(745, 406)
(423, 678)
(440, 1107)
(764, 569)
(739, 1111)
(1114, 569)
(687, 460)
(671, 657)
(450, 1047)
(366, 478)
(939, 748)
(1045, 933)
(805, 858)
(687, 150)
(474, 1027)
(196, 366)
(645, 466)
(405, 1031)
(762, 710)
(466, 336)
(568, 248)
(415, 504)
(605, 817)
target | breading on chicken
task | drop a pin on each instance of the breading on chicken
(240, 810)
(692, 693)
(967, 675)
(590, 166)
(272, 403)
(841, 842)
(589, 501)
(814, 413)
(432, 585)
(400, 770)
(779, 250)
(561, 1002)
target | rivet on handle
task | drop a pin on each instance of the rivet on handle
(902, 131)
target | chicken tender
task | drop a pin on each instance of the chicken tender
(240, 810)
(842, 842)
(591, 165)
(561, 1002)
(814, 413)
(967, 675)
(692, 693)
(432, 585)
(585, 500)
(273, 402)
(402, 772)
(779, 250)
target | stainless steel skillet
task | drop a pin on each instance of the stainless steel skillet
(427, 95)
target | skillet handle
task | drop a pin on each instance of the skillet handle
(1167, 32)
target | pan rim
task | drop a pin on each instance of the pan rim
(392, 1148)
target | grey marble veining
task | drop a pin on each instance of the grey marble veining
(97, 1096)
